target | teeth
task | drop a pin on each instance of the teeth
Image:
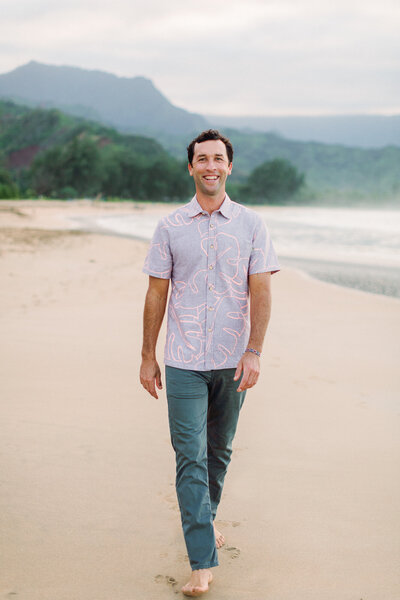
(212, 178)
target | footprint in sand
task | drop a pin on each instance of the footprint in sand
(172, 501)
(165, 579)
(182, 557)
(228, 523)
(232, 551)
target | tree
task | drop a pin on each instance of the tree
(8, 189)
(273, 181)
(81, 162)
(167, 179)
(82, 168)
(70, 170)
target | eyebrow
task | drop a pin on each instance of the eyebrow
(203, 154)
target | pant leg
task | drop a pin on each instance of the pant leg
(187, 394)
(223, 414)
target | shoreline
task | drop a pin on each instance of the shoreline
(368, 278)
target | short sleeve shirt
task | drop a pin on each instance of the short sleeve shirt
(209, 259)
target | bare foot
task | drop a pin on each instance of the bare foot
(219, 538)
(198, 583)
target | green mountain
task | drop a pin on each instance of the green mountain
(130, 104)
(331, 171)
(25, 132)
(49, 153)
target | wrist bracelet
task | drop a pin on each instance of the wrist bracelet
(254, 351)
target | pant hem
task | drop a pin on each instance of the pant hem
(208, 566)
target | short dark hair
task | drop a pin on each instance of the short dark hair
(210, 134)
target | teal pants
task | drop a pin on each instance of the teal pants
(203, 411)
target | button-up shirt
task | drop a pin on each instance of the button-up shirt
(209, 259)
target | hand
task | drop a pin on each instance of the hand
(150, 376)
(250, 365)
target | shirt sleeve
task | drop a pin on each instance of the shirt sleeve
(158, 261)
(263, 258)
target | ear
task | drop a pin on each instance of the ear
(190, 169)
(230, 168)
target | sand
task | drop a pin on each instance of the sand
(87, 501)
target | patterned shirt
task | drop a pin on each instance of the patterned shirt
(208, 259)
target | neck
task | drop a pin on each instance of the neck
(210, 203)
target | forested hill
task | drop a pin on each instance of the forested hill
(328, 168)
(331, 171)
(45, 152)
(134, 166)
(133, 104)
(25, 132)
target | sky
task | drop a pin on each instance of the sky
(223, 57)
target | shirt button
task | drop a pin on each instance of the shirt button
(212, 246)
(210, 308)
(210, 287)
(210, 267)
(210, 329)
(211, 226)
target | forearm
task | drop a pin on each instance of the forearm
(260, 312)
(154, 310)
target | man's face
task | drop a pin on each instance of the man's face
(210, 167)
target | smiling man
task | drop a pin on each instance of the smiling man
(217, 253)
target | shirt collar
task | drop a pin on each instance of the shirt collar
(225, 209)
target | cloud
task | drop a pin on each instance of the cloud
(227, 57)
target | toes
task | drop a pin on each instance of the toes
(194, 591)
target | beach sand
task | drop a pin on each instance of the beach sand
(87, 504)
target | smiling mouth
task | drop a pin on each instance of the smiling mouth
(211, 178)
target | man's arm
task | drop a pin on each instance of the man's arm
(260, 311)
(154, 309)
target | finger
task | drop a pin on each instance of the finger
(238, 371)
(158, 381)
(151, 388)
(243, 385)
(249, 380)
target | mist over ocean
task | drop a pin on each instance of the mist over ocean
(358, 248)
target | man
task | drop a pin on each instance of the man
(215, 252)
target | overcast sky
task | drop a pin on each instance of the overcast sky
(247, 57)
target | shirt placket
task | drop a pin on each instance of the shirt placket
(210, 295)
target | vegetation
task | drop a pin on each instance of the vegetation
(276, 181)
(8, 189)
(46, 152)
(54, 155)
(332, 173)
(81, 169)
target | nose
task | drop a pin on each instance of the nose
(211, 164)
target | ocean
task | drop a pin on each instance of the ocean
(352, 247)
